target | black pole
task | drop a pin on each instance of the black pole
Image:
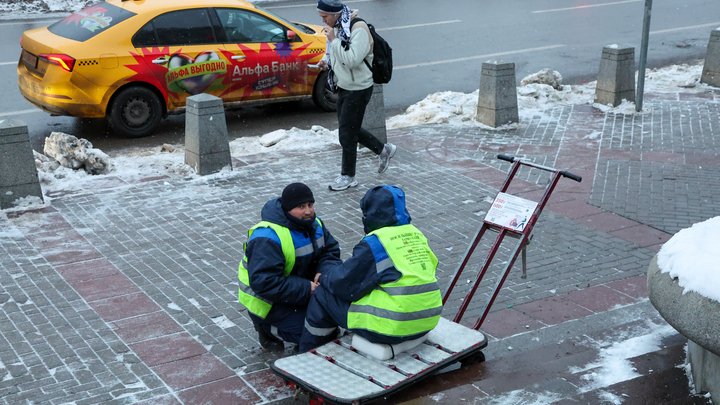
(643, 56)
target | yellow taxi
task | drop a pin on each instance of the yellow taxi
(135, 61)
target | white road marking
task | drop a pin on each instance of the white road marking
(587, 6)
(6, 114)
(313, 4)
(29, 22)
(7, 63)
(689, 27)
(417, 25)
(488, 55)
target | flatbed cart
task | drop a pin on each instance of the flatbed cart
(337, 373)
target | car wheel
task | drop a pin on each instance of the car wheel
(325, 99)
(135, 112)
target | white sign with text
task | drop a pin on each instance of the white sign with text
(509, 211)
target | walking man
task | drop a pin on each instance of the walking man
(277, 274)
(387, 291)
(348, 45)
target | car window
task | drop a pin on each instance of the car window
(243, 26)
(145, 37)
(90, 21)
(302, 27)
(184, 27)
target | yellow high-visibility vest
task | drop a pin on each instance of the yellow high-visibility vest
(253, 302)
(410, 305)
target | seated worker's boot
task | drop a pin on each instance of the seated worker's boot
(268, 341)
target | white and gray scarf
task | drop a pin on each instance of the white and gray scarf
(343, 26)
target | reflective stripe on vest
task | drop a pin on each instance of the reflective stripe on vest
(253, 302)
(410, 305)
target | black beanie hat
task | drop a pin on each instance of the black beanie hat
(330, 6)
(294, 195)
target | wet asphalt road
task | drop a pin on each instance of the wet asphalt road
(437, 46)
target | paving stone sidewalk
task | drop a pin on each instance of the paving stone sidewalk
(127, 293)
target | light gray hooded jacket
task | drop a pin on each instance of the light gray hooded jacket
(351, 73)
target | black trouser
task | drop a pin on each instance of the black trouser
(284, 321)
(351, 110)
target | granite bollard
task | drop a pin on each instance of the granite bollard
(616, 77)
(374, 119)
(207, 148)
(711, 68)
(18, 174)
(497, 97)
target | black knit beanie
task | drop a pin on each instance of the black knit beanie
(330, 6)
(294, 195)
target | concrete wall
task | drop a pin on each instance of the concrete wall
(705, 369)
(697, 318)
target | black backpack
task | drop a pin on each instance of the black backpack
(382, 56)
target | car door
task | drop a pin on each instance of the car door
(263, 61)
(186, 52)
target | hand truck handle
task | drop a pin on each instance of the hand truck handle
(506, 158)
(563, 173)
(571, 176)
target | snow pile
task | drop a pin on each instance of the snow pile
(75, 153)
(613, 364)
(446, 107)
(552, 78)
(675, 78)
(540, 92)
(692, 256)
(282, 140)
(134, 164)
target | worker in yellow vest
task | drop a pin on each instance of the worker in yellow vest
(387, 291)
(283, 254)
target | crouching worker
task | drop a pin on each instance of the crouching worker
(387, 291)
(282, 256)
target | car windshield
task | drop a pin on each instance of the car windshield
(90, 21)
(302, 27)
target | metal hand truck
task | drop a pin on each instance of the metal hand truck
(519, 227)
(336, 373)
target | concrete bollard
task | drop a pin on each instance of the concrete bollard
(374, 119)
(616, 78)
(18, 174)
(497, 98)
(207, 148)
(711, 68)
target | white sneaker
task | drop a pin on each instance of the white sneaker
(343, 182)
(384, 158)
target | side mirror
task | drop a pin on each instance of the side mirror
(290, 35)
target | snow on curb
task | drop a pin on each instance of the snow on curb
(692, 257)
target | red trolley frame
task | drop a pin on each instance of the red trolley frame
(523, 238)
